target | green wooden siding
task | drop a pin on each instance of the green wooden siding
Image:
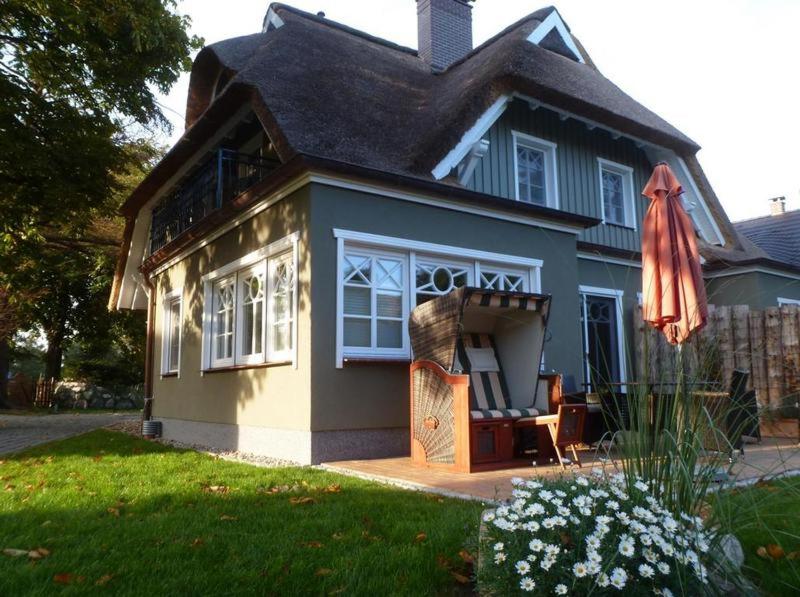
(576, 161)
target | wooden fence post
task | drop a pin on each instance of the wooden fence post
(791, 350)
(741, 340)
(758, 357)
(772, 332)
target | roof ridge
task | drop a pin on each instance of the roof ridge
(767, 216)
(502, 33)
(342, 27)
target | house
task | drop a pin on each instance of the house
(329, 181)
(772, 275)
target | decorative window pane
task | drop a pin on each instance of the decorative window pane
(435, 279)
(496, 280)
(531, 179)
(373, 298)
(174, 334)
(282, 283)
(613, 197)
(223, 314)
(251, 291)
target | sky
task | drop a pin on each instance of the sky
(719, 70)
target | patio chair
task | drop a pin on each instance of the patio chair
(566, 430)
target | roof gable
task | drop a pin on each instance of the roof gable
(554, 35)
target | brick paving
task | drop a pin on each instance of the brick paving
(18, 432)
(774, 456)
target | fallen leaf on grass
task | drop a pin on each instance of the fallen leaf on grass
(215, 489)
(15, 553)
(793, 555)
(97, 458)
(338, 591)
(762, 552)
(323, 572)
(9, 487)
(302, 500)
(443, 562)
(775, 551)
(466, 556)
(460, 578)
(311, 544)
(103, 580)
(67, 578)
(335, 488)
(337, 536)
(39, 553)
(420, 537)
(114, 511)
(226, 517)
(197, 542)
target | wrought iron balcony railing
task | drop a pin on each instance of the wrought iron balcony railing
(223, 177)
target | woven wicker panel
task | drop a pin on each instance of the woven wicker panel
(434, 328)
(434, 425)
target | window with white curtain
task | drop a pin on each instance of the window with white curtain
(171, 345)
(379, 286)
(250, 309)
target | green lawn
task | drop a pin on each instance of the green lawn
(119, 515)
(767, 516)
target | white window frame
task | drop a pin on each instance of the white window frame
(628, 195)
(411, 250)
(170, 299)
(617, 296)
(288, 354)
(787, 301)
(258, 258)
(550, 165)
(239, 357)
(216, 361)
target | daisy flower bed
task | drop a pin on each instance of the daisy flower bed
(595, 536)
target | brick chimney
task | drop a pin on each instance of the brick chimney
(777, 206)
(444, 31)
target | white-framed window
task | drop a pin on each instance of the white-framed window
(250, 308)
(536, 175)
(171, 333)
(603, 337)
(787, 301)
(381, 279)
(616, 193)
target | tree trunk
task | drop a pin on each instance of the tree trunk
(5, 365)
(53, 357)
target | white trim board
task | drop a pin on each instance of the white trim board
(554, 21)
(787, 301)
(550, 151)
(166, 330)
(278, 246)
(737, 271)
(611, 260)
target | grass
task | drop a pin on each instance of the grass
(766, 515)
(119, 514)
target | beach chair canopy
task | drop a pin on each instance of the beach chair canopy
(506, 327)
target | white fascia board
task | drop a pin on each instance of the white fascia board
(471, 137)
(738, 271)
(703, 205)
(554, 21)
(271, 20)
(611, 260)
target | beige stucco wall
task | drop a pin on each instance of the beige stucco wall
(274, 396)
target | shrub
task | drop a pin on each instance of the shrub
(594, 536)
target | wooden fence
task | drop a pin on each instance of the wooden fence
(44, 393)
(764, 342)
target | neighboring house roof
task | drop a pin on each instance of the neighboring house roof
(777, 235)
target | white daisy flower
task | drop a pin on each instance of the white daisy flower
(552, 550)
(527, 584)
(546, 563)
(603, 580)
(499, 557)
(531, 557)
(612, 505)
(517, 481)
(626, 548)
(582, 481)
(592, 542)
(641, 486)
(580, 569)
(536, 545)
(663, 567)
(561, 589)
(618, 578)
(488, 516)
(522, 567)
(646, 571)
(499, 546)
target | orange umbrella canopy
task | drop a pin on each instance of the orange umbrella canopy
(673, 294)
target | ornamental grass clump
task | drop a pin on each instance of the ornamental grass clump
(591, 536)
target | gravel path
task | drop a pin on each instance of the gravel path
(18, 432)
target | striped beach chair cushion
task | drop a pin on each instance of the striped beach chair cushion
(488, 392)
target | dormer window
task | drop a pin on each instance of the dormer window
(535, 167)
(616, 191)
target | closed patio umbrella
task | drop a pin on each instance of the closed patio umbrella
(673, 294)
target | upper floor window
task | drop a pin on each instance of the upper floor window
(250, 309)
(535, 167)
(616, 190)
(171, 336)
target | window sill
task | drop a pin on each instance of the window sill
(169, 374)
(244, 367)
(376, 361)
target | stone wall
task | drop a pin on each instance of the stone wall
(81, 395)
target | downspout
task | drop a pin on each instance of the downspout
(147, 412)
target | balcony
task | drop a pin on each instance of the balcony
(224, 176)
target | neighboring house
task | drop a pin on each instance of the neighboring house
(772, 275)
(328, 181)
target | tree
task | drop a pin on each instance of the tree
(78, 82)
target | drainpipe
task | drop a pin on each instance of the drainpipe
(147, 412)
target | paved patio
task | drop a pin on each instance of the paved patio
(773, 456)
(18, 432)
